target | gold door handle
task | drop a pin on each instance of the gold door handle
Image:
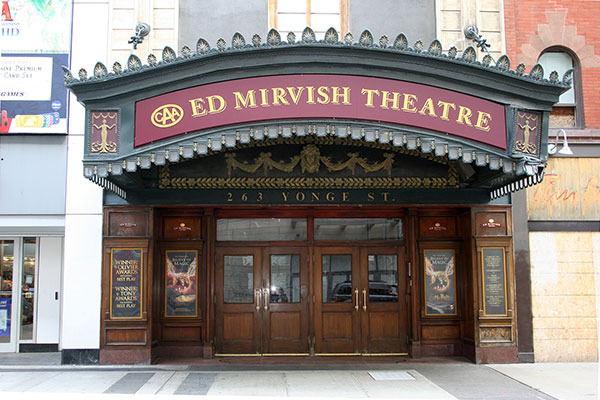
(266, 299)
(356, 299)
(364, 300)
(257, 298)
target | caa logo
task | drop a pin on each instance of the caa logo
(166, 115)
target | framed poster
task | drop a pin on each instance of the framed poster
(439, 281)
(126, 277)
(493, 272)
(181, 297)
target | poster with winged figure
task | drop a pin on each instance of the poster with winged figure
(181, 283)
(440, 282)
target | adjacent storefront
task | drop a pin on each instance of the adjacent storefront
(35, 40)
(311, 198)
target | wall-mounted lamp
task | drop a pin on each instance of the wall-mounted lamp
(566, 150)
(141, 31)
(471, 32)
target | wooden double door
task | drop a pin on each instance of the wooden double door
(311, 300)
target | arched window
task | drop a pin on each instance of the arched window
(568, 112)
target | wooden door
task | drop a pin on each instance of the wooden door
(360, 305)
(285, 301)
(337, 311)
(383, 306)
(238, 294)
(261, 300)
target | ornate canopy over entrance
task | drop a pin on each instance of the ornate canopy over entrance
(319, 116)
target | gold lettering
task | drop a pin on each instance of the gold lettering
(264, 97)
(370, 93)
(310, 90)
(197, 107)
(285, 196)
(323, 91)
(370, 196)
(212, 108)
(428, 108)
(464, 113)
(409, 103)
(245, 102)
(300, 196)
(279, 97)
(345, 196)
(345, 96)
(385, 196)
(385, 99)
(483, 119)
(446, 109)
(330, 196)
(315, 196)
(295, 96)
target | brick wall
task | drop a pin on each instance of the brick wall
(534, 25)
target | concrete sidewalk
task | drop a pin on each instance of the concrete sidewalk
(565, 381)
(24, 374)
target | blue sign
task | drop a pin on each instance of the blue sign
(5, 317)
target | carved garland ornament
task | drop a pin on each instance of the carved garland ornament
(310, 160)
(311, 164)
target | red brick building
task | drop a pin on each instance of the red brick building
(562, 212)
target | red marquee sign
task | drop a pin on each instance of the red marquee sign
(319, 96)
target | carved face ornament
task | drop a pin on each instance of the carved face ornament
(310, 159)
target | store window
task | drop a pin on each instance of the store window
(295, 15)
(28, 286)
(567, 112)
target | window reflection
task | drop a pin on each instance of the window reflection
(337, 278)
(285, 278)
(28, 287)
(238, 279)
(7, 248)
(383, 278)
(358, 229)
(258, 229)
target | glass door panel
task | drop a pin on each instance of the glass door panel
(285, 278)
(337, 278)
(383, 278)
(28, 282)
(238, 286)
(8, 287)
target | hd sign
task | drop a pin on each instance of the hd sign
(319, 96)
